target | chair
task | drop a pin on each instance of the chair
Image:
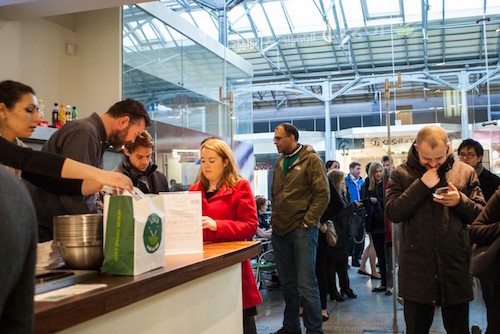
(262, 265)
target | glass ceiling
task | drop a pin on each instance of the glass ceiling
(291, 41)
(305, 16)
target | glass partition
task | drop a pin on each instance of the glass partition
(178, 79)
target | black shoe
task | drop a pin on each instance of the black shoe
(284, 331)
(475, 329)
(379, 289)
(362, 272)
(349, 293)
(325, 317)
(337, 297)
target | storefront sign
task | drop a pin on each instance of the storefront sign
(382, 141)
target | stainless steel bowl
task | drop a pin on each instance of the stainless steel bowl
(82, 257)
(79, 238)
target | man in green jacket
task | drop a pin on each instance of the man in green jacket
(300, 194)
(434, 241)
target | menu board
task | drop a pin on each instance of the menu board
(183, 228)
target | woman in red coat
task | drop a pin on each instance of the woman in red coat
(229, 213)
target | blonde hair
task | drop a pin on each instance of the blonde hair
(371, 173)
(432, 135)
(230, 176)
(337, 176)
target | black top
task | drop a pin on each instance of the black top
(489, 183)
(40, 168)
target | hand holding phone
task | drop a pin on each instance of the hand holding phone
(440, 191)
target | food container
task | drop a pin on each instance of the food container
(79, 238)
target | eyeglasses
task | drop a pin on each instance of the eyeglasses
(467, 155)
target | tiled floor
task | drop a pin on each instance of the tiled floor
(369, 313)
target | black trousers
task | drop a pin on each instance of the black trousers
(491, 296)
(337, 264)
(418, 318)
(321, 275)
(379, 244)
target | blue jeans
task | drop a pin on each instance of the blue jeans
(295, 255)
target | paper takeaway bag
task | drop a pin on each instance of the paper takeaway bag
(133, 231)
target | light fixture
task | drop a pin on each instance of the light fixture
(70, 48)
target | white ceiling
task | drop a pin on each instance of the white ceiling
(13, 10)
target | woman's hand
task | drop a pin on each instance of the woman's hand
(207, 222)
(373, 200)
(106, 178)
(113, 179)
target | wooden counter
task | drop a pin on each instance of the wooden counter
(203, 285)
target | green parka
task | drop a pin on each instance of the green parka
(301, 195)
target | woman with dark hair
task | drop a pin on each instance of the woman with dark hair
(18, 119)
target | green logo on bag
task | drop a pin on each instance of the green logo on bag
(152, 233)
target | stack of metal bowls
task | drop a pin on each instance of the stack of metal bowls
(79, 238)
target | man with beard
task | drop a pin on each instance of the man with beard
(137, 165)
(434, 242)
(86, 140)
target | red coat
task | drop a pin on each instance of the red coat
(235, 213)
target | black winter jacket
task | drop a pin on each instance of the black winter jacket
(149, 182)
(434, 242)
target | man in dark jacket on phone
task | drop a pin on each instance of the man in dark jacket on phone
(434, 242)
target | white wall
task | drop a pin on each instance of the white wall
(33, 52)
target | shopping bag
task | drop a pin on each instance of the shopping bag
(133, 234)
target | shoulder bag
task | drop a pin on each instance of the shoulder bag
(331, 234)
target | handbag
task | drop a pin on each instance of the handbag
(331, 234)
(356, 226)
(485, 261)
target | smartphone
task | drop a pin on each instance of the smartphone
(440, 191)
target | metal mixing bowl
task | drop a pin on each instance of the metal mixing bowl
(79, 238)
(82, 256)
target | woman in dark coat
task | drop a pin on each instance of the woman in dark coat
(374, 199)
(484, 231)
(339, 209)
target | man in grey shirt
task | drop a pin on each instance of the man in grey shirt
(86, 140)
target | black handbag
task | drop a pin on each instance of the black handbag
(356, 226)
(485, 261)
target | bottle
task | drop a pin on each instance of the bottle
(69, 118)
(41, 107)
(62, 114)
(74, 113)
(55, 114)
